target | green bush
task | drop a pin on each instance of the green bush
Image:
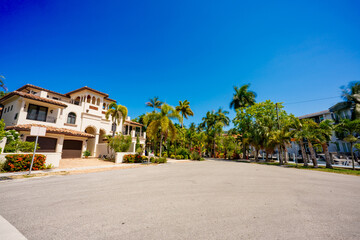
(22, 162)
(195, 156)
(158, 160)
(181, 156)
(178, 156)
(182, 151)
(15, 146)
(165, 155)
(172, 156)
(120, 143)
(86, 153)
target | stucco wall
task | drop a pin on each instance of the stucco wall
(51, 158)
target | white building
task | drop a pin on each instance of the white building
(75, 121)
(335, 145)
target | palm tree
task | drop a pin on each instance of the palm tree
(349, 129)
(185, 110)
(311, 136)
(351, 94)
(324, 132)
(154, 103)
(162, 122)
(117, 113)
(242, 97)
(299, 135)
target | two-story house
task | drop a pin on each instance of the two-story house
(75, 121)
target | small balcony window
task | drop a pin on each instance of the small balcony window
(37, 113)
(71, 118)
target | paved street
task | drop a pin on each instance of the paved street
(188, 200)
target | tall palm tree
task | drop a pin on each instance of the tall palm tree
(242, 97)
(162, 123)
(324, 131)
(185, 110)
(299, 135)
(351, 94)
(154, 103)
(117, 113)
(349, 129)
(311, 136)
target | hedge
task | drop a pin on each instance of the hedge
(158, 160)
(134, 158)
(22, 162)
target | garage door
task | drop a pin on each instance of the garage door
(46, 144)
(72, 149)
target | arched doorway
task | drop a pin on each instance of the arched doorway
(91, 141)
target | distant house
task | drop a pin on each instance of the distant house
(75, 121)
(335, 113)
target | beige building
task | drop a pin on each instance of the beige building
(75, 121)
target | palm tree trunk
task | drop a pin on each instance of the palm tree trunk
(352, 156)
(256, 156)
(244, 152)
(327, 155)
(161, 139)
(280, 155)
(214, 149)
(312, 153)
(286, 159)
(303, 153)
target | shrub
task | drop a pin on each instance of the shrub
(172, 156)
(133, 158)
(158, 160)
(195, 156)
(164, 155)
(182, 151)
(22, 162)
(15, 146)
(120, 143)
(181, 156)
(202, 159)
(178, 156)
(86, 153)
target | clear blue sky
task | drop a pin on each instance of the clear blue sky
(289, 51)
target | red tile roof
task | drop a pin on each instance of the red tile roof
(135, 123)
(50, 129)
(87, 88)
(33, 97)
(39, 88)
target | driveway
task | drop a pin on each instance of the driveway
(188, 200)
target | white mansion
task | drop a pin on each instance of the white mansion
(75, 121)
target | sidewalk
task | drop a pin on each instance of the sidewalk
(118, 166)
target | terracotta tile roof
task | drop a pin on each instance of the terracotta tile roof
(135, 123)
(39, 88)
(50, 129)
(109, 99)
(87, 88)
(33, 97)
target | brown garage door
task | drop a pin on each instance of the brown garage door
(46, 144)
(72, 149)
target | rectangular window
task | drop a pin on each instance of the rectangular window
(37, 113)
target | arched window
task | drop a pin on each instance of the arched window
(71, 118)
(93, 100)
(98, 102)
(104, 106)
(88, 99)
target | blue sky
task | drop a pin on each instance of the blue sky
(289, 51)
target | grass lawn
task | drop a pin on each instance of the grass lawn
(320, 168)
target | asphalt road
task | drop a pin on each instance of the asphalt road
(189, 200)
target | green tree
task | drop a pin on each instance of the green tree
(162, 123)
(324, 132)
(349, 129)
(117, 113)
(2, 85)
(154, 103)
(185, 110)
(242, 97)
(351, 94)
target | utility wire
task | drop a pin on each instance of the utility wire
(313, 100)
